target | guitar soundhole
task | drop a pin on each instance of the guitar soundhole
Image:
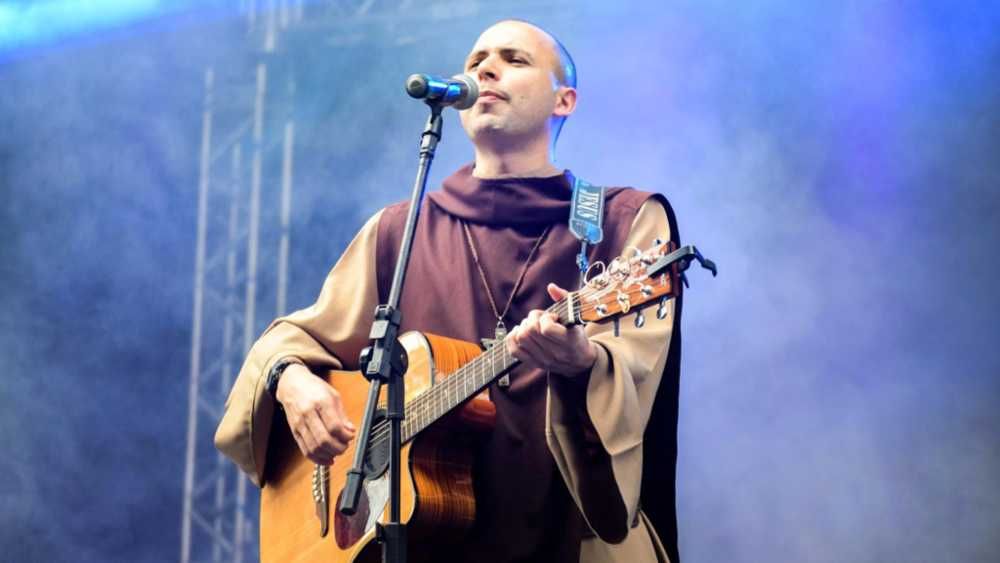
(349, 529)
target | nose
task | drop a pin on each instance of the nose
(487, 69)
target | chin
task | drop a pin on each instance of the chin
(484, 127)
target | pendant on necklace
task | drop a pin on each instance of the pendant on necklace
(498, 336)
(501, 331)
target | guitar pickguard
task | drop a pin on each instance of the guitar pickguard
(348, 530)
(378, 498)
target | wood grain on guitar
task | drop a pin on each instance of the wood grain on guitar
(437, 471)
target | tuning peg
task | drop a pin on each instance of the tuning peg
(623, 301)
(640, 319)
(661, 310)
(618, 331)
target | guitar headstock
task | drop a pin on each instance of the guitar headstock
(632, 281)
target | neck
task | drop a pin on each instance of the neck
(532, 159)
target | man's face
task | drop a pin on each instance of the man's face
(514, 64)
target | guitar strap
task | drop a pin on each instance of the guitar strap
(586, 219)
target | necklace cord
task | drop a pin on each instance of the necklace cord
(520, 277)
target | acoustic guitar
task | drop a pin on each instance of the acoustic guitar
(445, 412)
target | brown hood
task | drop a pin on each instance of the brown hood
(506, 201)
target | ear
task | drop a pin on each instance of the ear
(565, 101)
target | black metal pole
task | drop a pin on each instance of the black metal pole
(384, 362)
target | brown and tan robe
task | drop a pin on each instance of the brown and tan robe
(560, 476)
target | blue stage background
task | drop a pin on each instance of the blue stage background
(840, 394)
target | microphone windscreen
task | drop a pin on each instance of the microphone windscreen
(472, 94)
(417, 85)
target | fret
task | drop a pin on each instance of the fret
(503, 356)
(484, 374)
(433, 404)
(482, 369)
(492, 374)
(444, 405)
(445, 401)
(459, 397)
(447, 392)
(421, 421)
(488, 374)
(427, 408)
(454, 392)
(442, 402)
(411, 422)
(421, 417)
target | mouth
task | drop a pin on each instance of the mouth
(491, 96)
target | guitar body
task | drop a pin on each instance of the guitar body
(437, 499)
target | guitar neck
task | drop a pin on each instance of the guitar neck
(465, 382)
(628, 283)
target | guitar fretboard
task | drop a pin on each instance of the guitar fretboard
(465, 382)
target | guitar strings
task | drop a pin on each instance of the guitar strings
(442, 397)
(438, 395)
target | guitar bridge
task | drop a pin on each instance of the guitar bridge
(321, 497)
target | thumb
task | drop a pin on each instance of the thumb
(556, 292)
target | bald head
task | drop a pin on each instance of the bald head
(563, 66)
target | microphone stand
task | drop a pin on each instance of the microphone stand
(385, 362)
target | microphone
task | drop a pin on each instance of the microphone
(459, 91)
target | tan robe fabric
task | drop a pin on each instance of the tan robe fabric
(619, 394)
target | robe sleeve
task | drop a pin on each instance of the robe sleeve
(595, 425)
(326, 335)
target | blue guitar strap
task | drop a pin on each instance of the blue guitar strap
(586, 218)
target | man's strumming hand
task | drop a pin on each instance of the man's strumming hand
(540, 341)
(315, 414)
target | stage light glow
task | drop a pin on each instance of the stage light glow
(25, 24)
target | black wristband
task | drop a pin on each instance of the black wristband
(275, 374)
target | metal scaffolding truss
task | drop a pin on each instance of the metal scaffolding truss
(246, 159)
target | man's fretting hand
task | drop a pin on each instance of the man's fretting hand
(540, 341)
(315, 414)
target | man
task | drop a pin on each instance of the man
(559, 477)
